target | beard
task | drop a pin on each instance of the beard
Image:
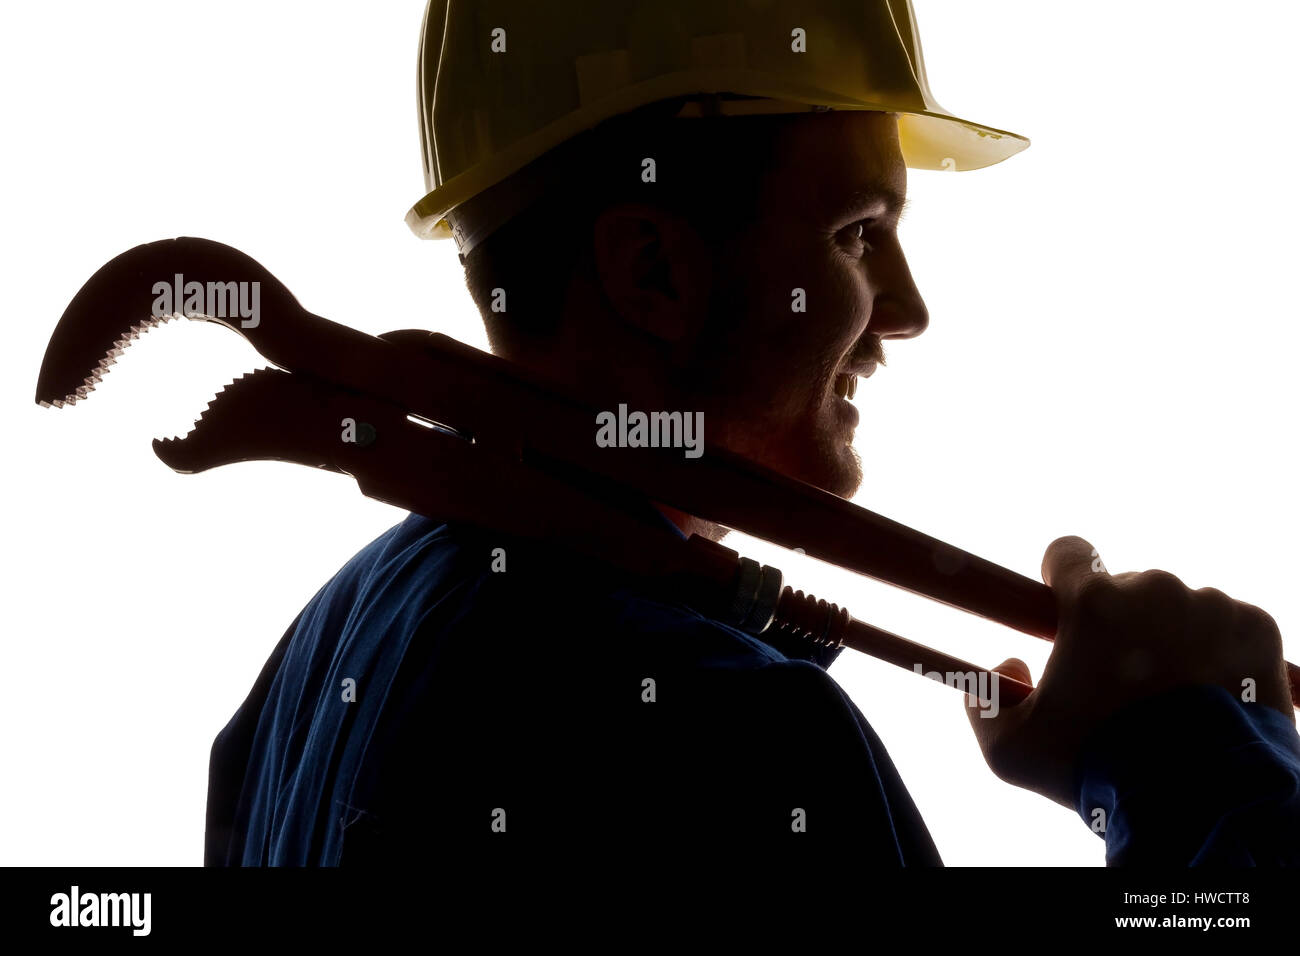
(807, 448)
(827, 461)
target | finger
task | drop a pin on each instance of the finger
(1013, 668)
(990, 721)
(1068, 562)
(1016, 669)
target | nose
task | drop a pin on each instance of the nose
(898, 311)
(893, 318)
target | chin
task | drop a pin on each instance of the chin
(828, 462)
(840, 471)
(814, 450)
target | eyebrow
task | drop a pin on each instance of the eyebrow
(875, 192)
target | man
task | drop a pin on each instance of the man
(653, 255)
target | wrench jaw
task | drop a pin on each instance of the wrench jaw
(47, 389)
(406, 461)
(119, 303)
(266, 415)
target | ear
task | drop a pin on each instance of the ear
(654, 269)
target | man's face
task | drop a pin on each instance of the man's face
(803, 301)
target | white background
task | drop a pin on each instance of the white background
(1112, 336)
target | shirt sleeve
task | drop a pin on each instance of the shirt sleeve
(1193, 777)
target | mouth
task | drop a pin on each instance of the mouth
(846, 386)
(846, 383)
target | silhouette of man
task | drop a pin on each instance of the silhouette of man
(548, 707)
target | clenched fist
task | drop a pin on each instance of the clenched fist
(1121, 638)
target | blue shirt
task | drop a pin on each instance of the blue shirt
(431, 702)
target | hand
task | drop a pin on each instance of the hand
(1121, 638)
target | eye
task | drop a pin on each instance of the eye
(860, 231)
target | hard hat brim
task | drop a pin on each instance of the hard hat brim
(928, 138)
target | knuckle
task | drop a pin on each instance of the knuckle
(1259, 626)
(1098, 597)
(1213, 602)
(1157, 587)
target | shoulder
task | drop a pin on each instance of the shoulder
(467, 606)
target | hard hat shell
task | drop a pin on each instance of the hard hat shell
(502, 82)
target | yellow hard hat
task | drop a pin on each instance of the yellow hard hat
(502, 82)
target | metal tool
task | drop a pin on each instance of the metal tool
(448, 431)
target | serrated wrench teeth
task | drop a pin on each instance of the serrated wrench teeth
(324, 372)
(263, 415)
(131, 294)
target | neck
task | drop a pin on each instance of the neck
(689, 524)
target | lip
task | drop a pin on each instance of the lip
(844, 409)
(849, 412)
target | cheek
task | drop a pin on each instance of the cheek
(849, 289)
(799, 313)
(839, 307)
(835, 298)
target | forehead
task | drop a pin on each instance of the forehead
(827, 162)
